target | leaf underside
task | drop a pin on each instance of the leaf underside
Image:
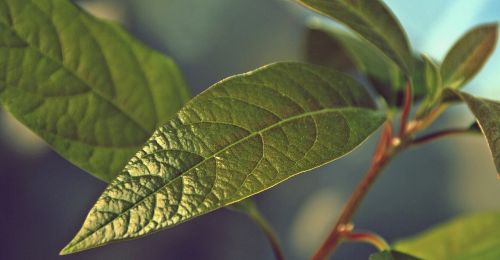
(487, 113)
(243, 135)
(87, 87)
(373, 21)
(475, 236)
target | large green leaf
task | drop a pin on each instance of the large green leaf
(243, 135)
(487, 113)
(381, 71)
(468, 237)
(383, 74)
(86, 86)
(391, 255)
(322, 49)
(468, 55)
(373, 21)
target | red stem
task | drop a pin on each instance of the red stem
(405, 114)
(381, 157)
(433, 136)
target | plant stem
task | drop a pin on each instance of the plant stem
(271, 236)
(249, 208)
(383, 153)
(368, 237)
(433, 136)
(405, 114)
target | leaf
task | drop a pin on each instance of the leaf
(468, 55)
(87, 87)
(487, 113)
(373, 21)
(392, 255)
(430, 78)
(322, 49)
(242, 136)
(475, 236)
(383, 74)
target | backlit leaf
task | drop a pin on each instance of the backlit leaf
(470, 237)
(242, 136)
(391, 255)
(468, 55)
(87, 87)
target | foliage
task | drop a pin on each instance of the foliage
(97, 101)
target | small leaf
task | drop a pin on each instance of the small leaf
(475, 236)
(373, 21)
(469, 55)
(392, 255)
(430, 79)
(242, 136)
(87, 87)
(487, 113)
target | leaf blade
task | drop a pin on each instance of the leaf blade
(468, 55)
(95, 100)
(243, 135)
(474, 236)
(373, 21)
(487, 113)
(391, 255)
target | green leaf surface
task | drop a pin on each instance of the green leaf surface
(430, 80)
(469, 237)
(322, 49)
(242, 136)
(487, 113)
(373, 21)
(383, 74)
(468, 55)
(391, 255)
(87, 87)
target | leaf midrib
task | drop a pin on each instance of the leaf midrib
(469, 57)
(250, 135)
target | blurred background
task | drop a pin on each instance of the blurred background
(44, 198)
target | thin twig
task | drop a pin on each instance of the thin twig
(367, 237)
(443, 133)
(405, 114)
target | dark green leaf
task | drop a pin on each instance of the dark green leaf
(487, 113)
(468, 55)
(84, 85)
(373, 21)
(383, 74)
(322, 49)
(474, 236)
(391, 255)
(242, 136)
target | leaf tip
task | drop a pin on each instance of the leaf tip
(70, 248)
(66, 250)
